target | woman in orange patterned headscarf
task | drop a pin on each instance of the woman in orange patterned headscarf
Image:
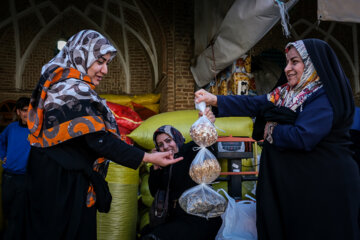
(71, 131)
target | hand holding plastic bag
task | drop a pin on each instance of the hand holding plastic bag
(239, 220)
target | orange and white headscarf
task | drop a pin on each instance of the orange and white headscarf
(293, 97)
(64, 104)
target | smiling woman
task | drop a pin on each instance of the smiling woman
(294, 67)
(72, 131)
(175, 179)
(99, 69)
(306, 144)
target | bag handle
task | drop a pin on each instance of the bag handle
(226, 194)
(166, 204)
(252, 200)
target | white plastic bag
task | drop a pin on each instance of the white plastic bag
(239, 220)
(202, 200)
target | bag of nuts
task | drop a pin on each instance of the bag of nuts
(205, 168)
(202, 200)
(203, 131)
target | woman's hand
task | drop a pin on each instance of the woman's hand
(209, 114)
(162, 159)
(204, 96)
(269, 128)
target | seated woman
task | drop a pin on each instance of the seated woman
(179, 224)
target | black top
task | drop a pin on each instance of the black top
(180, 180)
(181, 225)
(57, 185)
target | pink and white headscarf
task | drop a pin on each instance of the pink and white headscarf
(293, 97)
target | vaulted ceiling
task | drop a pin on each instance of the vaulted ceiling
(29, 20)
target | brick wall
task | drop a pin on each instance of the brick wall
(140, 68)
(171, 24)
(177, 86)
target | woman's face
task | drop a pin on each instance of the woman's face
(166, 143)
(294, 68)
(99, 69)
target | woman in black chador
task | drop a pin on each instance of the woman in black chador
(309, 183)
(179, 225)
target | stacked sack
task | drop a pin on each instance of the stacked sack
(123, 183)
(202, 200)
(126, 118)
(183, 120)
(145, 105)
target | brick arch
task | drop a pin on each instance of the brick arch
(159, 37)
(351, 58)
(47, 13)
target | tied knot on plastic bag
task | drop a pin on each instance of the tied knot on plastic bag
(203, 131)
(205, 168)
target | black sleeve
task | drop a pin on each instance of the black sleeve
(109, 146)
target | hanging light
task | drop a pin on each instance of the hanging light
(60, 43)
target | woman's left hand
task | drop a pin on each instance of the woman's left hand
(269, 128)
(209, 114)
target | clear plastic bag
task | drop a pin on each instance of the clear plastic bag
(205, 168)
(239, 220)
(203, 201)
(203, 131)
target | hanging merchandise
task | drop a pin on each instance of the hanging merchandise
(205, 168)
(202, 200)
(203, 131)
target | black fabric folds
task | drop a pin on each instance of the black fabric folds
(102, 191)
(336, 83)
(270, 113)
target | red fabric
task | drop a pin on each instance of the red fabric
(125, 116)
(143, 112)
(127, 120)
(123, 133)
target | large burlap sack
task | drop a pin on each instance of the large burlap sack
(182, 120)
(120, 222)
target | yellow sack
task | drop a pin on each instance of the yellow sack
(149, 98)
(153, 107)
(182, 120)
(146, 196)
(120, 222)
(119, 99)
(125, 100)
